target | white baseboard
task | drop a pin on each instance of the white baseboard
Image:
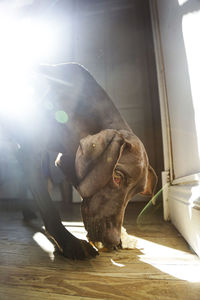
(184, 206)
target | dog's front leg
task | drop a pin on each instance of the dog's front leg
(69, 245)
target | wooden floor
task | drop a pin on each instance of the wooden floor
(161, 266)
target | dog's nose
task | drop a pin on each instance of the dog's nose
(111, 238)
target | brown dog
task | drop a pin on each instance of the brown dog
(101, 156)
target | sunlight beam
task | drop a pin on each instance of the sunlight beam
(177, 263)
(117, 264)
(191, 33)
(44, 244)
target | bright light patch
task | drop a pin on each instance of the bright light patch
(117, 264)
(73, 224)
(191, 34)
(24, 43)
(44, 243)
(17, 101)
(76, 228)
(194, 198)
(179, 264)
(181, 2)
(61, 116)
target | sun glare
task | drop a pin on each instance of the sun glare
(76, 228)
(191, 33)
(181, 2)
(179, 264)
(24, 43)
(44, 244)
(194, 198)
(117, 264)
(18, 101)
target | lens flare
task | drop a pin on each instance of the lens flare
(61, 116)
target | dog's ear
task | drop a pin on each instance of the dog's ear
(151, 182)
(95, 160)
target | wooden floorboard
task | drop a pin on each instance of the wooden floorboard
(160, 267)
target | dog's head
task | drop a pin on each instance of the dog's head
(112, 166)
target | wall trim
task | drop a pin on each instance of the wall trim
(184, 205)
(186, 194)
(190, 179)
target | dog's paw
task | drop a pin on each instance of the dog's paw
(78, 249)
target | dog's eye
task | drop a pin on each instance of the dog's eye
(117, 178)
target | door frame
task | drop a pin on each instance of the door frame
(167, 174)
(181, 201)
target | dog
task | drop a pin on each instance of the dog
(98, 154)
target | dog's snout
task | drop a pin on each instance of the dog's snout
(111, 238)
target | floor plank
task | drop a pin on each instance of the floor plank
(160, 267)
